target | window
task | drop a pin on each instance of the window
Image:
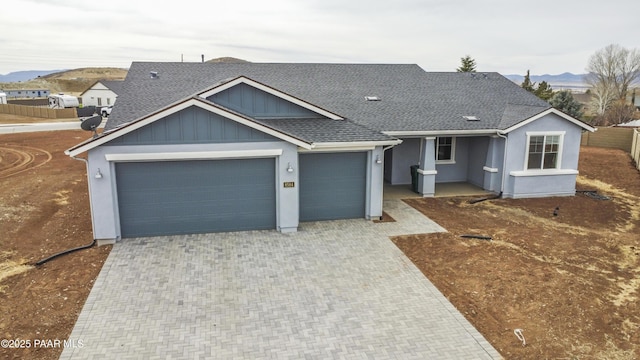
(108, 101)
(543, 152)
(445, 149)
(99, 101)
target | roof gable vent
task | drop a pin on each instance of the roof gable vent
(471, 118)
(372, 98)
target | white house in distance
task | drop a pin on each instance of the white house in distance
(101, 93)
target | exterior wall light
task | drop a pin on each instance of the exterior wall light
(98, 174)
(289, 168)
(378, 160)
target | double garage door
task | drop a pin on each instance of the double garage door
(186, 197)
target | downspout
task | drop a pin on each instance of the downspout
(504, 160)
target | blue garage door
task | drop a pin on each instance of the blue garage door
(185, 197)
(332, 186)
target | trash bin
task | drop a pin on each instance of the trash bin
(414, 178)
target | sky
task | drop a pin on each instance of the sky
(506, 36)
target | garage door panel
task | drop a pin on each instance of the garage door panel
(332, 186)
(183, 197)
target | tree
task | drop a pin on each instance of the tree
(614, 68)
(468, 64)
(618, 112)
(527, 84)
(564, 101)
(602, 96)
(543, 90)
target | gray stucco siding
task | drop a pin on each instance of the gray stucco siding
(402, 157)
(520, 182)
(457, 171)
(190, 126)
(256, 103)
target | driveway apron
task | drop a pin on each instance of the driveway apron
(333, 290)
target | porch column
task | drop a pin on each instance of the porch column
(427, 170)
(492, 165)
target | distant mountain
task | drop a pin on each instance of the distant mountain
(25, 75)
(566, 80)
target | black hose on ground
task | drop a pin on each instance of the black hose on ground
(475, 201)
(481, 237)
(66, 252)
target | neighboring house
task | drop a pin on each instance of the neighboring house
(196, 148)
(101, 93)
(26, 93)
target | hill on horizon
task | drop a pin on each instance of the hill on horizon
(71, 82)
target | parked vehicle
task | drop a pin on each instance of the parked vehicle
(106, 111)
(62, 101)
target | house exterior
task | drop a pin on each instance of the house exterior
(208, 147)
(26, 93)
(101, 93)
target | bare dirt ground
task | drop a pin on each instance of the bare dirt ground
(570, 282)
(44, 209)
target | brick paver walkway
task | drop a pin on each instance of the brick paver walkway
(333, 290)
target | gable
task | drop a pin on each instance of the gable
(192, 125)
(256, 103)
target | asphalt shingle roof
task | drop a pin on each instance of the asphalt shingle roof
(411, 99)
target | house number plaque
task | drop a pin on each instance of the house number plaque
(289, 184)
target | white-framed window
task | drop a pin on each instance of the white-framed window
(99, 101)
(544, 150)
(445, 149)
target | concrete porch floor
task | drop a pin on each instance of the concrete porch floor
(442, 190)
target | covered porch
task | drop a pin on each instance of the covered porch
(451, 189)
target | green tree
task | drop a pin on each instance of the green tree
(544, 91)
(467, 64)
(564, 101)
(527, 84)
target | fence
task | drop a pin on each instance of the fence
(635, 147)
(40, 112)
(613, 137)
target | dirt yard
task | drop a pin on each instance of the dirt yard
(44, 209)
(570, 282)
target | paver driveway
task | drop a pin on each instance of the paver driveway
(333, 290)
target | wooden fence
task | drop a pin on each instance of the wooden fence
(39, 112)
(611, 137)
(635, 147)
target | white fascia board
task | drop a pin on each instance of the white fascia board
(545, 113)
(351, 146)
(272, 91)
(137, 124)
(193, 155)
(436, 133)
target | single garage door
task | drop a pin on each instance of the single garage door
(185, 197)
(332, 186)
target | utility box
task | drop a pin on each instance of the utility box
(414, 178)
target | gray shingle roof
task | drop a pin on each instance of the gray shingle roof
(113, 85)
(411, 99)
